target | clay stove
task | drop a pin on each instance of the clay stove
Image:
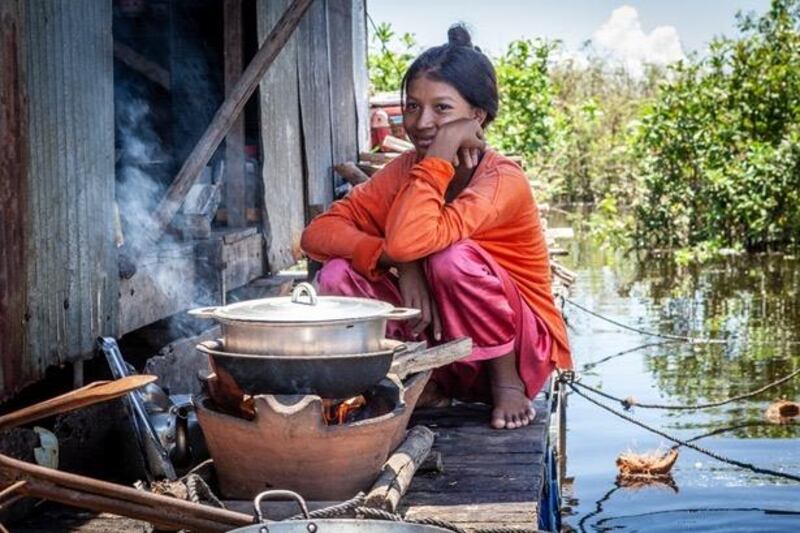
(288, 443)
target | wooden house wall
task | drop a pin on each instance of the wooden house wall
(310, 101)
(59, 272)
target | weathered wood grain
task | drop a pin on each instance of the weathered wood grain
(13, 194)
(491, 478)
(313, 64)
(343, 97)
(235, 185)
(280, 138)
(64, 68)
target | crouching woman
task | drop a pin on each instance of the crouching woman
(451, 228)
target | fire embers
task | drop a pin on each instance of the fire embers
(362, 407)
(343, 411)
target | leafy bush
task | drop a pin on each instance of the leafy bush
(386, 65)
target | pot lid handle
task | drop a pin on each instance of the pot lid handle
(283, 494)
(307, 289)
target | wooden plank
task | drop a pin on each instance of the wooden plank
(235, 186)
(158, 289)
(70, 252)
(13, 195)
(343, 98)
(281, 142)
(491, 478)
(149, 69)
(315, 103)
(244, 260)
(360, 73)
(272, 43)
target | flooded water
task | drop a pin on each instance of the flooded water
(754, 301)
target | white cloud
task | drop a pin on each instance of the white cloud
(624, 40)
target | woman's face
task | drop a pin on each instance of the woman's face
(429, 105)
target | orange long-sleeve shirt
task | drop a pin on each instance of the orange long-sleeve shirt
(401, 210)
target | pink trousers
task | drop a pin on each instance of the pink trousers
(475, 298)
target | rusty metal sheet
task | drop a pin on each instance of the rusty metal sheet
(13, 195)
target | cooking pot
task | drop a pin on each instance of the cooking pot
(305, 324)
(328, 376)
(326, 525)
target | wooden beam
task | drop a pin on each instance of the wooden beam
(399, 469)
(412, 361)
(350, 172)
(227, 114)
(235, 187)
(136, 61)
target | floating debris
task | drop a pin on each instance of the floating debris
(646, 465)
(782, 412)
(629, 402)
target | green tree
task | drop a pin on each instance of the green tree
(719, 149)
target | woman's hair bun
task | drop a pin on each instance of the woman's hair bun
(458, 35)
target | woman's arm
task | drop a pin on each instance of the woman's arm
(352, 228)
(421, 223)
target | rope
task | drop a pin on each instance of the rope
(589, 366)
(709, 453)
(346, 508)
(691, 340)
(355, 508)
(627, 403)
(199, 491)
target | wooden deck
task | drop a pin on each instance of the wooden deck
(492, 478)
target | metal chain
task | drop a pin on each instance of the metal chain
(691, 340)
(686, 443)
(627, 403)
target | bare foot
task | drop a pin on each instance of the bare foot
(432, 397)
(512, 408)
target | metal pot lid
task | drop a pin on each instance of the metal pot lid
(304, 306)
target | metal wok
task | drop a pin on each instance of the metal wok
(328, 376)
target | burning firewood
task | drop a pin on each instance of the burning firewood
(651, 464)
(342, 411)
(782, 412)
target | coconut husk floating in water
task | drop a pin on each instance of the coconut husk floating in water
(782, 412)
(641, 466)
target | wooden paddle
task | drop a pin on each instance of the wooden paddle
(96, 392)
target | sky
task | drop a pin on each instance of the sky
(654, 31)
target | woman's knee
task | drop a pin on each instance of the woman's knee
(334, 274)
(454, 263)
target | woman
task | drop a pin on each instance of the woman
(451, 228)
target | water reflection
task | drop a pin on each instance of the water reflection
(750, 300)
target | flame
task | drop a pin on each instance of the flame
(336, 411)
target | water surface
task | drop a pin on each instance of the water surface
(754, 301)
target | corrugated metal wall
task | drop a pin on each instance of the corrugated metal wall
(70, 257)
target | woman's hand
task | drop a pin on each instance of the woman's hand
(460, 141)
(415, 293)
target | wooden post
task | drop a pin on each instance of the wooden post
(399, 469)
(227, 114)
(235, 187)
(350, 172)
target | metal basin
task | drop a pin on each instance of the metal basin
(326, 525)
